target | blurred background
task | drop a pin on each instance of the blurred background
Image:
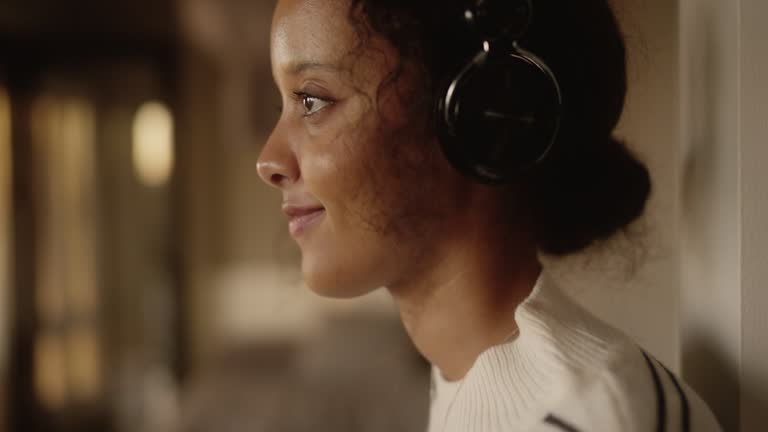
(147, 281)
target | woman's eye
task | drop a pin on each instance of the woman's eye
(312, 104)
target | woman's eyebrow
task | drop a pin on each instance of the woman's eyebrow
(299, 67)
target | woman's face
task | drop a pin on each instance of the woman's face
(366, 190)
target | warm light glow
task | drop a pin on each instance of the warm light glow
(64, 136)
(84, 361)
(5, 219)
(68, 361)
(50, 371)
(153, 156)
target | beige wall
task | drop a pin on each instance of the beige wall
(711, 300)
(754, 214)
(725, 207)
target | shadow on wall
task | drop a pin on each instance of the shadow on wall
(718, 383)
(716, 379)
(709, 203)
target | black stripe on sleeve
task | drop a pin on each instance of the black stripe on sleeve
(661, 408)
(559, 423)
(686, 411)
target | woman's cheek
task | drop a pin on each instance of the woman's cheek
(333, 159)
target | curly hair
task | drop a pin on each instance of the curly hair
(590, 186)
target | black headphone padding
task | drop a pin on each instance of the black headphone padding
(499, 115)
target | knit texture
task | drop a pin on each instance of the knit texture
(566, 371)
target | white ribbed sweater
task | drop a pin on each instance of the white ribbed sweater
(565, 371)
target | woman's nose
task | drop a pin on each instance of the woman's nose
(277, 164)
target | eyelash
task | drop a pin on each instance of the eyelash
(300, 97)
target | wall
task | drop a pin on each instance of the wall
(725, 207)
(754, 215)
(711, 298)
(711, 301)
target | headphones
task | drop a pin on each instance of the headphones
(501, 113)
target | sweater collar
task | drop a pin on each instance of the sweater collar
(512, 383)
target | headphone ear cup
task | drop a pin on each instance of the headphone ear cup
(499, 116)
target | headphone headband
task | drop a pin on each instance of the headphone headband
(495, 19)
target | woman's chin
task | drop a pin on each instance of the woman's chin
(335, 290)
(334, 284)
(345, 267)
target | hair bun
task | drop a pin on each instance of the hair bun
(587, 195)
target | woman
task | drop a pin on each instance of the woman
(388, 179)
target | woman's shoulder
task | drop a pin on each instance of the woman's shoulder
(634, 393)
(612, 383)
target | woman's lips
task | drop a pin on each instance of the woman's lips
(302, 220)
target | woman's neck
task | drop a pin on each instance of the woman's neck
(464, 304)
